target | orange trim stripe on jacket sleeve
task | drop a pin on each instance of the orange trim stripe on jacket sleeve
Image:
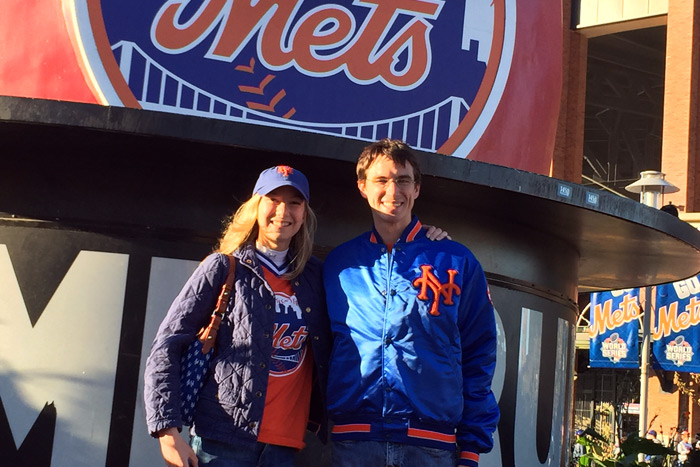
(434, 435)
(352, 428)
(470, 456)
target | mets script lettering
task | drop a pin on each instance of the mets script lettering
(293, 342)
(428, 280)
(670, 320)
(605, 319)
(323, 41)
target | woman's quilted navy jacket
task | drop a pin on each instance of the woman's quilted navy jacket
(232, 400)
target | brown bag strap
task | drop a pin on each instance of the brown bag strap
(222, 303)
(207, 335)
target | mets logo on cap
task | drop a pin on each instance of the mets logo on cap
(285, 170)
(429, 72)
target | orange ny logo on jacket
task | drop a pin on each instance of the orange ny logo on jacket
(428, 280)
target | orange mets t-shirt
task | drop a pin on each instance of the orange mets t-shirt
(288, 397)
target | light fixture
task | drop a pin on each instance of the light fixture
(651, 187)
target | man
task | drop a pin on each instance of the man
(414, 333)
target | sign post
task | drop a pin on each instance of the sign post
(651, 188)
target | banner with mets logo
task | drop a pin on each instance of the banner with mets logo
(614, 329)
(444, 76)
(361, 69)
(676, 330)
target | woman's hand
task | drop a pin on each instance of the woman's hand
(436, 233)
(175, 450)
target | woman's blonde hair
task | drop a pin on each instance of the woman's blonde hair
(243, 229)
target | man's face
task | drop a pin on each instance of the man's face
(390, 190)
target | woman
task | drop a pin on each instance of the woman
(272, 347)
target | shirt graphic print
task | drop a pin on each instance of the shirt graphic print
(288, 349)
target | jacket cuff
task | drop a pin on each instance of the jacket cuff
(468, 459)
(155, 429)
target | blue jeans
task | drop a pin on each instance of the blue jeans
(383, 454)
(212, 453)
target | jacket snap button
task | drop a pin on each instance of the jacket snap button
(308, 309)
(267, 307)
(248, 261)
(393, 292)
(266, 335)
(262, 365)
(252, 424)
(258, 394)
(315, 338)
(296, 283)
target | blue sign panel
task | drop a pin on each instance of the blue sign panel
(614, 330)
(676, 333)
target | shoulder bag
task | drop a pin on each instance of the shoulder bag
(194, 363)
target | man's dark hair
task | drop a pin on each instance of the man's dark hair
(396, 150)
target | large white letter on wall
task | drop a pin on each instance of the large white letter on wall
(529, 380)
(68, 359)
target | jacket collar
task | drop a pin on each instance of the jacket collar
(246, 254)
(414, 231)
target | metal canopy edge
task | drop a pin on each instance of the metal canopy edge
(621, 243)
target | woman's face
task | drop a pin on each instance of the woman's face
(280, 216)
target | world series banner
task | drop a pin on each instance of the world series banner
(614, 329)
(676, 334)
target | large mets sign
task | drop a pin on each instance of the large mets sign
(430, 72)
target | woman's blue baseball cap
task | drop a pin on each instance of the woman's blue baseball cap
(281, 175)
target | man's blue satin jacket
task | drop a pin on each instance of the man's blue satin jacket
(414, 348)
